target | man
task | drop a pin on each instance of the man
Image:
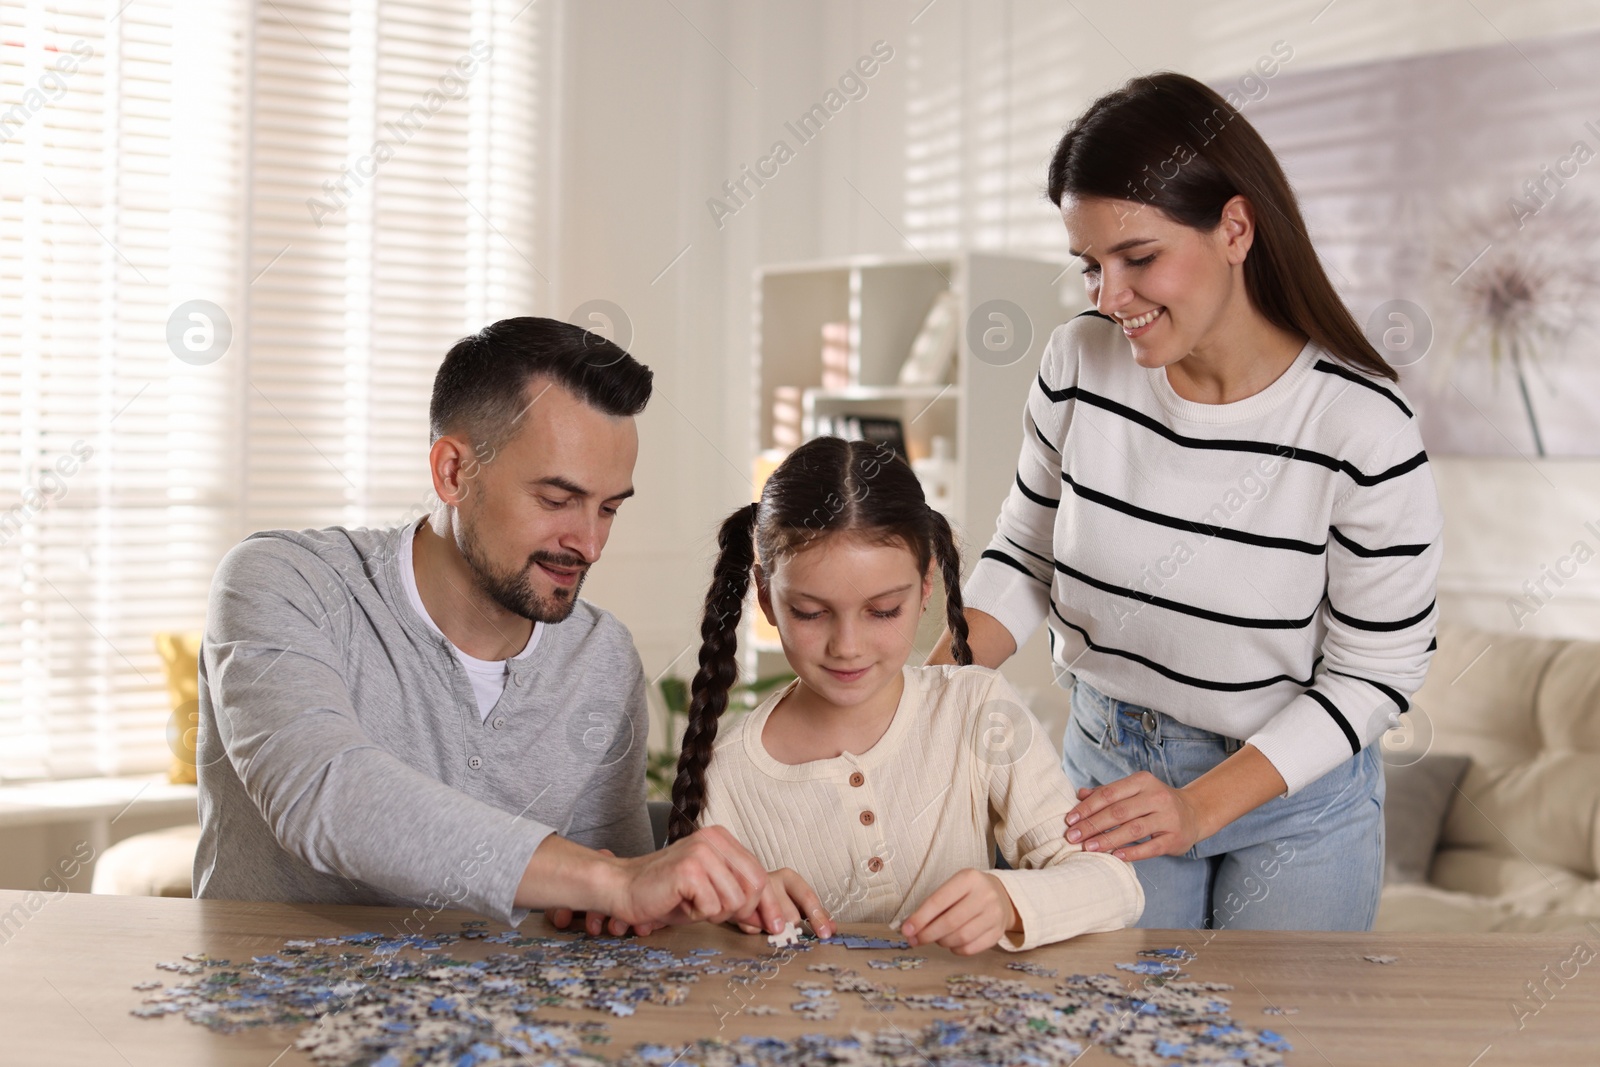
(429, 714)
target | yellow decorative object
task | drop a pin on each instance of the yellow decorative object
(766, 634)
(180, 659)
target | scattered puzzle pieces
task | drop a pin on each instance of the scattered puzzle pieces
(379, 1001)
(900, 963)
(865, 942)
(1032, 968)
(1176, 955)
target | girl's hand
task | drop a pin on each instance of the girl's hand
(1141, 805)
(969, 913)
(787, 899)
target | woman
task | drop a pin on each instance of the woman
(1223, 509)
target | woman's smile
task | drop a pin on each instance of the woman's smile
(1140, 324)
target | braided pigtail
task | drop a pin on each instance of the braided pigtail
(719, 666)
(949, 560)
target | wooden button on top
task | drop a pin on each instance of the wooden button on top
(867, 818)
(856, 778)
(875, 865)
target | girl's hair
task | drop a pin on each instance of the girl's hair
(1172, 142)
(826, 486)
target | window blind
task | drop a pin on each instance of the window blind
(393, 212)
(168, 151)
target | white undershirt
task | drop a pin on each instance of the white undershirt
(488, 676)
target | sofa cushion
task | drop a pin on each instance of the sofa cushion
(1418, 797)
(1568, 705)
(155, 864)
(1480, 694)
(1422, 908)
(1545, 809)
(1519, 886)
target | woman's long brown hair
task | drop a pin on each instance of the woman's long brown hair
(1173, 143)
(825, 487)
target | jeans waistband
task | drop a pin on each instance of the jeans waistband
(1123, 718)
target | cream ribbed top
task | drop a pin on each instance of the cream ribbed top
(963, 766)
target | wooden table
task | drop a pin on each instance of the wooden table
(67, 971)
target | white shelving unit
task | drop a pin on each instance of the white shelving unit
(884, 301)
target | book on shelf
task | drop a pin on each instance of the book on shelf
(865, 428)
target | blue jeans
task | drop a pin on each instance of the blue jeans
(1310, 861)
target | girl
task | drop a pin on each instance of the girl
(1224, 511)
(886, 787)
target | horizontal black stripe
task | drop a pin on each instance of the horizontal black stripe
(1223, 444)
(1183, 679)
(1433, 646)
(1344, 372)
(1187, 609)
(1205, 529)
(1338, 717)
(1395, 695)
(1093, 314)
(1045, 439)
(1373, 553)
(1380, 627)
(1042, 559)
(1042, 501)
(1001, 557)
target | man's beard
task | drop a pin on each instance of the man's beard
(514, 591)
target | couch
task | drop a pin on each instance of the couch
(1519, 847)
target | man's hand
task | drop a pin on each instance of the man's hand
(969, 913)
(594, 923)
(787, 899)
(708, 876)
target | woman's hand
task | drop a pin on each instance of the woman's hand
(969, 913)
(1119, 813)
(787, 899)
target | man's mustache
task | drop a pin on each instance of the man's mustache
(565, 562)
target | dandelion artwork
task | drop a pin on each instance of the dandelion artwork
(1518, 299)
(1453, 197)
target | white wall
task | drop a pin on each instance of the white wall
(663, 102)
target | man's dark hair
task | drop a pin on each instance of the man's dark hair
(481, 387)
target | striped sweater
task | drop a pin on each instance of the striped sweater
(1263, 569)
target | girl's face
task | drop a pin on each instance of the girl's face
(1137, 262)
(847, 612)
